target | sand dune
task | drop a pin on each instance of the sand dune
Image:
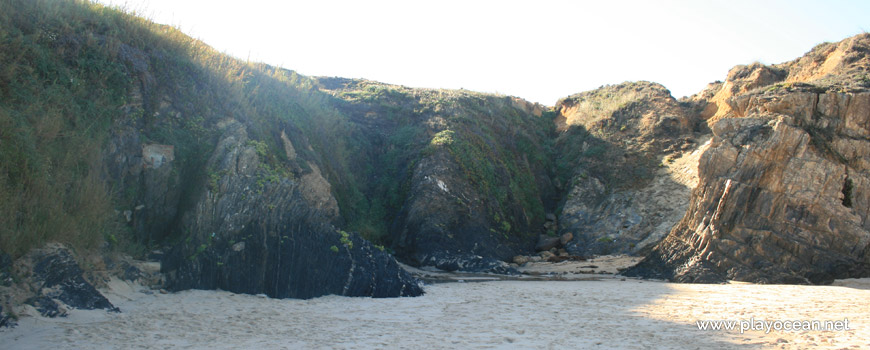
(606, 314)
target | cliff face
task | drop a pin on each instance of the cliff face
(626, 156)
(460, 176)
(783, 187)
(121, 135)
(238, 172)
(256, 230)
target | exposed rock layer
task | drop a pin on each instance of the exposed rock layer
(620, 146)
(783, 196)
(257, 232)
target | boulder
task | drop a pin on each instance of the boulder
(57, 275)
(46, 306)
(520, 259)
(565, 238)
(468, 263)
(546, 255)
(546, 243)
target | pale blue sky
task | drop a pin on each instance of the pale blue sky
(538, 50)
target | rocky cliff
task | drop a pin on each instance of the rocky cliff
(626, 156)
(461, 178)
(123, 136)
(256, 230)
(782, 196)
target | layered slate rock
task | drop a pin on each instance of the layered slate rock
(57, 276)
(784, 193)
(256, 231)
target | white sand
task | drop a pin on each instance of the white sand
(603, 314)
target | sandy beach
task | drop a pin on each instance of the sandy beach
(609, 313)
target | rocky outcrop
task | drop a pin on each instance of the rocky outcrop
(783, 193)
(627, 151)
(445, 214)
(146, 176)
(451, 262)
(57, 275)
(260, 228)
(57, 278)
(457, 176)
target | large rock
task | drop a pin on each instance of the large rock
(56, 275)
(784, 195)
(46, 306)
(257, 231)
(546, 243)
(468, 263)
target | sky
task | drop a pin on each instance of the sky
(535, 49)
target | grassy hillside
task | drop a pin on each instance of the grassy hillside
(73, 73)
(70, 70)
(502, 150)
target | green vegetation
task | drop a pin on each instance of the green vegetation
(73, 72)
(581, 154)
(70, 71)
(499, 150)
(503, 171)
(345, 239)
(605, 239)
(601, 103)
(55, 110)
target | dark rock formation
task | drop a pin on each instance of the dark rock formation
(46, 306)
(467, 263)
(56, 275)
(451, 172)
(784, 193)
(255, 230)
(145, 173)
(446, 213)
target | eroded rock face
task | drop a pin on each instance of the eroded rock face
(147, 179)
(256, 231)
(455, 176)
(783, 194)
(632, 169)
(444, 215)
